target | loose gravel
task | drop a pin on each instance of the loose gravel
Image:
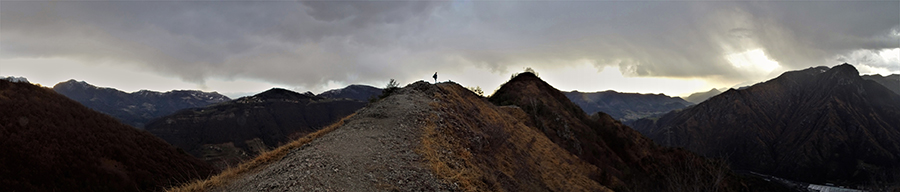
(372, 151)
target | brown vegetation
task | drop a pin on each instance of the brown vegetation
(620, 152)
(51, 143)
(257, 163)
(481, 147)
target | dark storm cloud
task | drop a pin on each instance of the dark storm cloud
(311, 43)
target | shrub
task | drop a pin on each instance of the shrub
(477, 90)
(389, 89)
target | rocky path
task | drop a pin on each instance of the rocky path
(373, 151)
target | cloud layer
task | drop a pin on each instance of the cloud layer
(311, 44)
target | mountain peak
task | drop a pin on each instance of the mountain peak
(619, 151)
(281, 93)
(794, 127)
(358, 92)
(136, 108)
(16, 79)
(74, 84)
(526, 76)
(845, 70)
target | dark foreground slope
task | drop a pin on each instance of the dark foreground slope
(51, 143)
(620, 152)
(228, 133)
(137, 108)
(626, 106)
(816, 125)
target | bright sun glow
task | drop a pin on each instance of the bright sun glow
(754, 61)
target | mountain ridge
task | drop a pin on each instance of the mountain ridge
(892, 81)
(53, 143)
(621, 152)
(815, 125)
(227, 133)
(699, 97)
(355, 91)
(626, 106)
(135, 108)
(456, 140)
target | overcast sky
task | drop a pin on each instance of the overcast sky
(247, 46)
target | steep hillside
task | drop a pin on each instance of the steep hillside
(137, 108)
(51, 143)
(620, 152)
(816, 125)
(423, 137)
(626, 106)
(227, 133)
(357, 92)
(891, 82)
(702, 96)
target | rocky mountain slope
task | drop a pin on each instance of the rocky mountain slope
(626, 106)
(227, 133)
(891, 82)
(443, 137)
(702, 96)
(628, 160)
(357, 92)
(815, 125)
(423, 137)
(51, 143)
(137, 108)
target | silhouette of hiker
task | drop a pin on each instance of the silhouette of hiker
(435, 77)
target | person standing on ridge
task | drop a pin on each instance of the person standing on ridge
(435, 77)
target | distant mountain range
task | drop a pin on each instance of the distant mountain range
(357, 92)
(702, 96)
(891, 82)
(815, 125)
(51, 143)
(626, 106)
(137, 108)
(230, 132)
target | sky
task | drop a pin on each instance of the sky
(243, 47)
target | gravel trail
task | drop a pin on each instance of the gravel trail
(372, 151)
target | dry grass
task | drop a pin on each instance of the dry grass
(257, 163)
(480, 147)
